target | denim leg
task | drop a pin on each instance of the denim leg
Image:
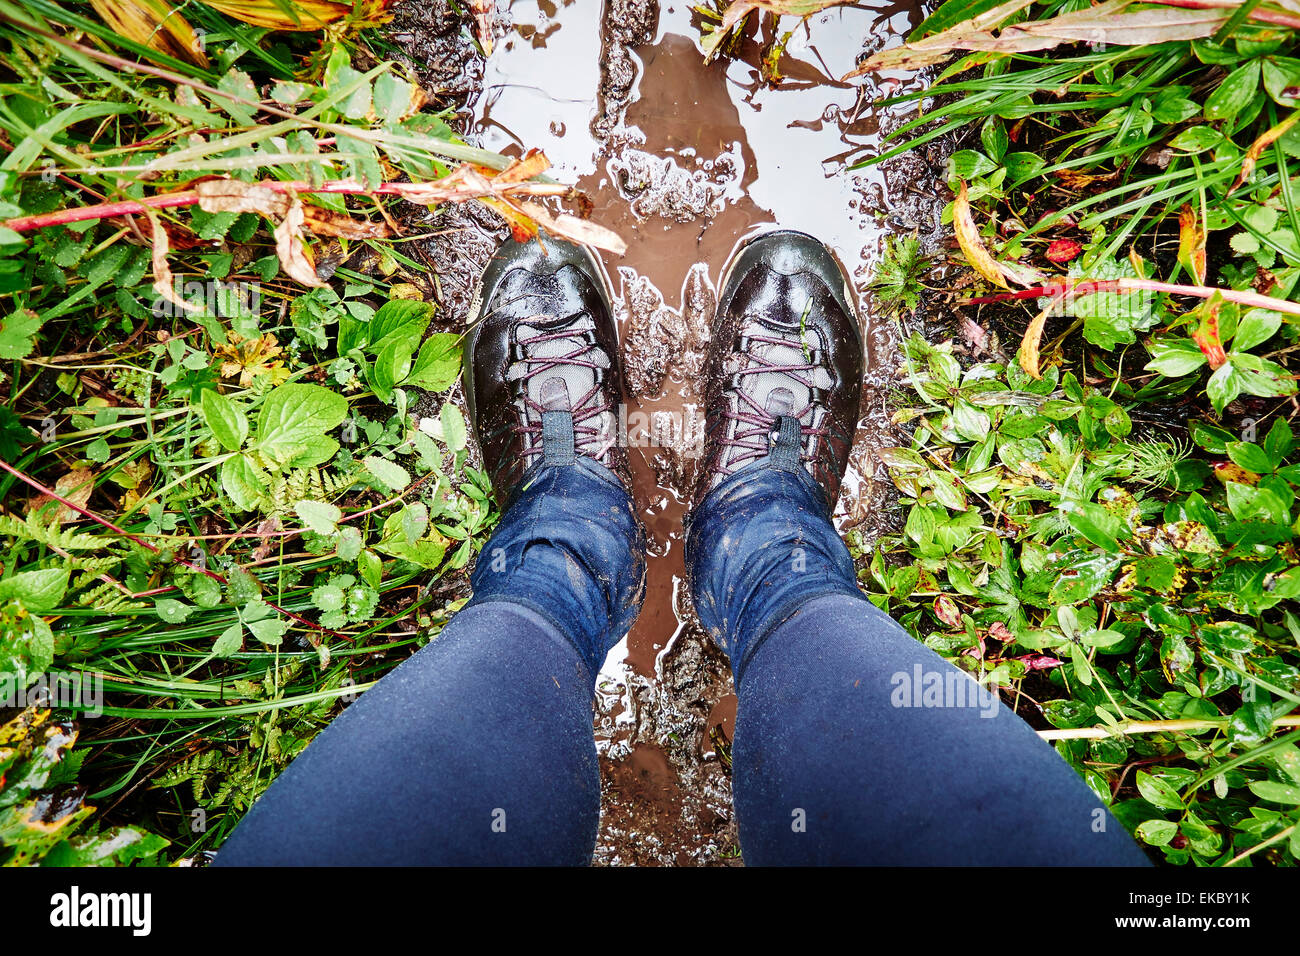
(478, 750)
(856, 744)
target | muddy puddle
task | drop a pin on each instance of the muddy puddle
(684, 161)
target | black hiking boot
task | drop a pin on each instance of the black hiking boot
(542, 358)
(784, 369)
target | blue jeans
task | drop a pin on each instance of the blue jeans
(854, 743)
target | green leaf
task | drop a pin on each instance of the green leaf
(1095, 523)
(230, 641)
(401, 320)
(173, 612)
(370, 567)
(228, 423)
(993, 137)
(270, 631)
(1249, 456)
(1157, 792)
(349, 89)
(1082, 578)
(1197, 139)
(951, 13)
(1256, 327)
(1276, 792)
(18, 334)
(292, 424)
(392, 475)
(969, 422)
(1234, 93)
(392, 98)
(1281, 73)
(1022, 166)
(242, 482)
(328, 597)
(1156, 832)
(1244, 244)
(1278, 441)
(39, 591)
(438, 365)
(391, 367)
(1102, 638)
(454, 433)
(1259, 376)
(1175, 357)
(1223, 387)
(319, 516)
(969, 163)
(349, 544)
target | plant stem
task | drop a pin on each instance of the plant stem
(1062, 289)
(1148, 727)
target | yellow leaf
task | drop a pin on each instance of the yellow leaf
(1029, 345)
(1191, 243)
(297, 15)
(155, 24)
(968, 237)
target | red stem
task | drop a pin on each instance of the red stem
(106, 210)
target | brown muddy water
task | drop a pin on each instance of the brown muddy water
(684, 161)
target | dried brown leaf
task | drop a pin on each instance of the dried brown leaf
(233, 195)
(1112, 23)
(482, 13)
(295, 257)
(164, 283)
(327, 222)
(582, 231)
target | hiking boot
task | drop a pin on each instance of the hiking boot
(542, 373)
(784, 369)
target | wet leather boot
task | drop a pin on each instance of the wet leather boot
(543, 383)
(542, 348)
(784, 377)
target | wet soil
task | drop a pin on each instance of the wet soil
(684, 161)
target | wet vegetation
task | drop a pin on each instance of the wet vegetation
(1100, 491)
(213, 338)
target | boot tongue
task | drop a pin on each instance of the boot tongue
(554, 395)
(780, 401)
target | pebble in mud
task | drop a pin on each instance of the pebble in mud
(660, 340)
(658, 186)
(435, 45)
(627, 23)
(667, 798)
(462, 239)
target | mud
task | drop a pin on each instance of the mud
(684, 161)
